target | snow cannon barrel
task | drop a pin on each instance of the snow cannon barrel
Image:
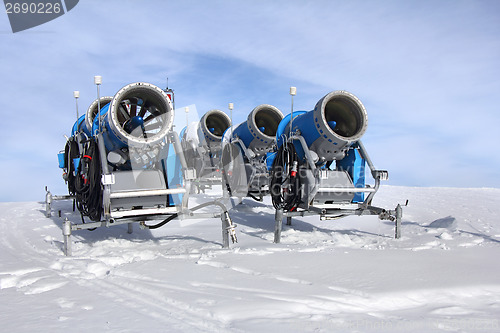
(202, 146)
(139, 115)
(93, 110)
(80, 127)
(212, 126)
(258, 133)
(84, 123)
(338, 120)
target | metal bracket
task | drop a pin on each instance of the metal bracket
(108, 179)
(49, 198)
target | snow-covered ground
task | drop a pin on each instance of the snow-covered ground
(346, 275)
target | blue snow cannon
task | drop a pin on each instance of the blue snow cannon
(258, 133)
(139, 115)
(245, 155)
(122, 155)
(321, 152)
(338, 120)
(84, 123)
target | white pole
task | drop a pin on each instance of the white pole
(231, 107)
(76, 95)
(98, 82)
(293, 92)
(186, 109)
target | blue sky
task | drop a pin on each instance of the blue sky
(428, 73)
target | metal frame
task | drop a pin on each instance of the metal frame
(339, 210)
(253, 192)
(203, 181)
(117, 217)
(228, 228)
(333, 214)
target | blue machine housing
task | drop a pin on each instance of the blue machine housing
(245, 134)
(337, 121)
(80, 126)
(354, 164)
(111, 141)
(258, 132)
(174, 178)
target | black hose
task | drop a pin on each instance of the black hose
(71, 151)
(285, 182)
(174, 216)
(162, 223)
(88, 188)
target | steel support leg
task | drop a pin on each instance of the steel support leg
(130, 228)
(399, 215)
(288, 220)
(48, 203)
(225, 231)
(67, 237)
(228, 229)
(278, 219)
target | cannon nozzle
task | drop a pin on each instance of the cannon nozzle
(258, 133)
(338, 120)
(212, 126)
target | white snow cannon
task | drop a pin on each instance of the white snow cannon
(319, 167)
(246, 150)
(202, 145)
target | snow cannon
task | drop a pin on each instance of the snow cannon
(258, 133)
(338, 120)
(202, 145)
(319, 166)
(139, 116)
(118, 162)
(84, 123)
(93, 110)
(246, 150)
(211, 128)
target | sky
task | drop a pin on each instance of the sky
(426, 71)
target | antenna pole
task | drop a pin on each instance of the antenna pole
(293, 92)
(231, 107)
(76, 95)
(98, 82)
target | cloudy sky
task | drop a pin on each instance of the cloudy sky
(428, 73)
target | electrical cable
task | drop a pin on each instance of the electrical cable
(162, 223)
(88, 188)
(285, 181)
(71, 151)
(174, 216)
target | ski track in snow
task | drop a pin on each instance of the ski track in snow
(343, 275)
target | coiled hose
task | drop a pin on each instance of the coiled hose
(285, 181)
(88, 188)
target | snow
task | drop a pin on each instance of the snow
(347, 275)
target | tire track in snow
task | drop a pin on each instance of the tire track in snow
(320, 299)
(17, 242)
(247, 271)
(143, 295)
